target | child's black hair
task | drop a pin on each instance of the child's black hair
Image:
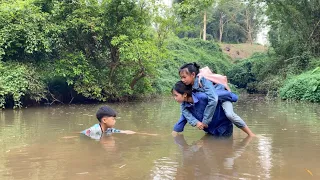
(105, 111)
(181, 88)
(190, 68)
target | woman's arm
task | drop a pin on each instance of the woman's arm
(188, 116)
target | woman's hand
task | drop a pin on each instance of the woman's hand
(174, 133)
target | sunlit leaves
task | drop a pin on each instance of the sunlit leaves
(22, 29)
(18, 80)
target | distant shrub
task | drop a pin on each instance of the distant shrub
(303, 87)
(241, 74)
(259, 74)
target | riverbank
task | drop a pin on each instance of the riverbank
(268, 74)
(77, 79)
(242, 50)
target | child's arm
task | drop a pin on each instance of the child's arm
(190, 118)
(131, 132)
(127, 132)
(210, 91)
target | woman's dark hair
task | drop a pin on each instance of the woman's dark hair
(190, 68)
(181, 88)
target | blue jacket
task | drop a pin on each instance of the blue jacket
(214, 92)
(222, 95)
(220, 125)
(208, 88)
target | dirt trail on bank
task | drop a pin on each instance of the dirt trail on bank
(242, 51)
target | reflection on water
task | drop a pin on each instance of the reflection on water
(264, 147)
(164, 168)
(43, 143)
(213, 156)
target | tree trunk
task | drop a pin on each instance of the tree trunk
(205, 25)
(248, 27)
(115, 58)
(221, 24)
(250, 37)
(137, 77)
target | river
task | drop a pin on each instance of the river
(44, 143)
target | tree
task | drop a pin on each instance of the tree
(164, 22)
(235, 21)
(295, 29)
(252, 19)
(23, 30)
(113, 37)
(189, 8)
(81, 48)
(226, 13)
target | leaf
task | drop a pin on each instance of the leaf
(314, 88)
(309, 172)
(316, 69)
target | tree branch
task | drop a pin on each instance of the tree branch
(54, 99)
(314, 30)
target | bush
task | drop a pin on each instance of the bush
(19, 81)
(262, 73)
(314, 63)
(303, 87)
(241, 74)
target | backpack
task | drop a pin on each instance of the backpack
(215, 78)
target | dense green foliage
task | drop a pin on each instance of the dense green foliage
(18, 81)
(295, 28)
(76, 51)
(257, 74)
(182, 51)
(83, 49)
(303, 87)
(294, 37)
(111, 50)
(265, 73)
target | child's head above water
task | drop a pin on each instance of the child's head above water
(106, 115)
(181, 92)
(188, 73)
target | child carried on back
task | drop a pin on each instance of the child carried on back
(190, 75)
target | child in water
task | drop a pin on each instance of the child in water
(189, 76)
(107, 119)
